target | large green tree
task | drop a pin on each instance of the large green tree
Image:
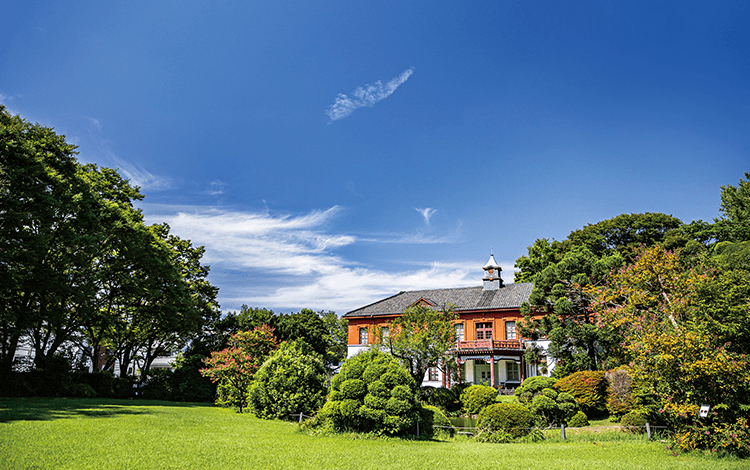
(78, 264)
(420, 338)
(561, 270)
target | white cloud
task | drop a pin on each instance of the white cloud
(139, 176)
(426, 213)
(283, 261)
(365, 96)
(216, 188)
(279, 244)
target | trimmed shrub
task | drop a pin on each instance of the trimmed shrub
(477, 397)
(82, 391)
(291, 381)
(388, 406)
(533, 386)
(439, 418)
(578, 420)
(159, 385)
(442, 398)
(511, 419)
(589, 389)
(354, 389)
(633, 422)
(553, 409)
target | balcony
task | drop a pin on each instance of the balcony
(486, 345)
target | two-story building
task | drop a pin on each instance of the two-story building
(489, 348)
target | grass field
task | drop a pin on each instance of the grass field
(116, 434)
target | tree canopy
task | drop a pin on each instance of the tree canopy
(79, 265)
(420, 338)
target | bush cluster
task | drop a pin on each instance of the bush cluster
(447, 399)
(372, 393)
(508, 419)
(634, 422)
(723, 439)
(533, 386)
(291, 381)
(552, 408)
(589, 389)
(477, 397)
(578, 420)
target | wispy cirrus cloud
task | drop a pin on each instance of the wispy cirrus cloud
(141, 177)
(426, 213)
(367, 95)
(294, 261)
(216, 188)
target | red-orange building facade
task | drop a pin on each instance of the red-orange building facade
(489, 348)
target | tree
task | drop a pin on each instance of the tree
(576, 340)
(233, 368)
(420, 338)
(655, 303)
(291, 381)
(336, 339)
(734, 223)
(58, 218)
(561, 270)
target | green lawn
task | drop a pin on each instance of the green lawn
(116, 434)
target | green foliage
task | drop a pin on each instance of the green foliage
(80, 265)
(477, 397)
(443, 398)
(578, 420)
(734, 224)
(677, 363)
(552, 408)
(438, 417)
(723, 439)
(291, 381)
(589, 389)
(82, 391)
(506, 419)
(561, 272)
(389, 405)
(634, 422)
(420, 337)
(188, 384)
(532, 387)
(233, 368)
(159, 385)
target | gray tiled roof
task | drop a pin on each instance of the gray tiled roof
(462, 298)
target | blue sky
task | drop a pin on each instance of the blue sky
(328, 154)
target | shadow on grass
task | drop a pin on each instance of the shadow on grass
(43, 409)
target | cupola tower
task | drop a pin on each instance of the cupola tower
(492, 279)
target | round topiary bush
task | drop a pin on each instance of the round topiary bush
(292, 381)
(372, 393)
(477, 397)
(513, 419)
(578, 420)
(589, 389)
(633, 422)
(533, 386)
